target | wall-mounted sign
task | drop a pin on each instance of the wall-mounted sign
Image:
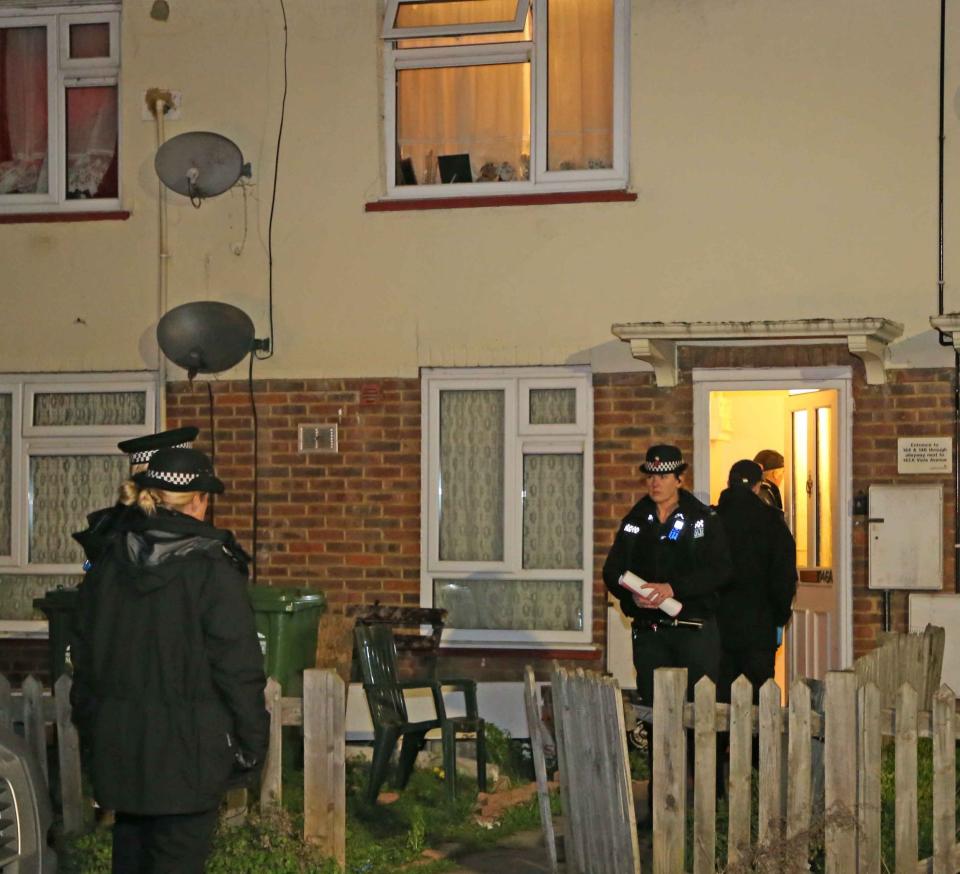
(924, 454)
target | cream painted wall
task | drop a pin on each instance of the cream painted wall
(784, 155)
(741, 424)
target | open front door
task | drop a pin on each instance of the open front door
(812, 510)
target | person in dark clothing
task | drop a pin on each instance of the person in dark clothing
(101, 523)
(771, 462)
(168, 674)
(676, 545)
(764, 581)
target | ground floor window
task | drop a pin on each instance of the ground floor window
(507, 504)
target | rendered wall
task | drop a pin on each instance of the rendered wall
(784, 156)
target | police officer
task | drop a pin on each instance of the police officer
(763, 584)
(677, 546)
(101, 523)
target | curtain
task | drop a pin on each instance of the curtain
(92, 141)
(63, 489)
(90, 408)
(553, 511)
(17, 592)
(6, 471)
(547, 605)
(471, 475)
(580, 85)
(23, 110)
(553, 406)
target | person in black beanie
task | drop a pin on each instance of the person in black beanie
(168, 674)
(771, 462)
(764, 581)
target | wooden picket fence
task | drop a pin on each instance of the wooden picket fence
(852, 727)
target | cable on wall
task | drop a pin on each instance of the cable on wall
(268, 353)
(213, 448)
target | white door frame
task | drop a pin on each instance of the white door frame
(706, 380)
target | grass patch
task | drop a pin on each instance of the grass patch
(380, 838)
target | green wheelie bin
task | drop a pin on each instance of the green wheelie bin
(287, 620)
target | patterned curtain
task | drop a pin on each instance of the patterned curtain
(553, 406)
(548, 605)
(553, 511)
(90, 408)
(17, 592)
(63, 489)
(6, 471)
(471, 475)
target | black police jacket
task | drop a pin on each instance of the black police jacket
(688, 551)
(764, 580)
(168, 672)
(102, 525)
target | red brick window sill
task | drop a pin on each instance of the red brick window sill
(24, 218)
(475, 201)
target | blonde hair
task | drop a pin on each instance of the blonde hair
(149, 499)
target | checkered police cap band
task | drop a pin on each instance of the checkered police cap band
(657, 466)
(176, 479)
(144, 455)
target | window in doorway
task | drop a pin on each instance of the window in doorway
(507, 505)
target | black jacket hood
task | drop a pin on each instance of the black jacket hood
(155, 544)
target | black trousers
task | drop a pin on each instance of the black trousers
(757, 665)
(176, 843)
(696, 649)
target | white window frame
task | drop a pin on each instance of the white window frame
(391, 31)
(63, 73)
(541, 180)
(515, 382)
(29, 440)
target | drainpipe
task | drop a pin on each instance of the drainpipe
(159, 109)
(946, 339)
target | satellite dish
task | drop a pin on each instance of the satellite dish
(205, 336)
(199, 164)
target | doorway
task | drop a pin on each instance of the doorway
(805, 416)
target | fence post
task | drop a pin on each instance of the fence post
(271, 784)
(68, 747)
(705, 776)
(324, 773)
(621, 795)
(944, 781)
(539, 763)
(799, 764)
(33, 723)
(906, 780)
(566, 759)
(770, 814)
(840, 772)
(741, 750)
(6, 703)
(669, 769)
(868, 788)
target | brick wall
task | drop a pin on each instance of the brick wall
(350, 523)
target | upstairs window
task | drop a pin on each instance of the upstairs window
(527, 94)
(59, 129)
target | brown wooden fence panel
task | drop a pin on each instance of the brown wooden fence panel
(271, 784)
(944, 781)
(906, 781)
(324, 772)
(705, 777)
(535, 727)
(770, 814)
(669, 769)
(71, 786)
(566, 760)
(741, 752)
(840, 772)
(623, 814)
(34, 728)
(868, 784)
(799, 783)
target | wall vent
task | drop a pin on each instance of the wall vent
(318, 438)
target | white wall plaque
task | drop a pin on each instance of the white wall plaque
(924, 454)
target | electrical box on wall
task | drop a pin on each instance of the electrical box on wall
(906, 537)
(318, 438)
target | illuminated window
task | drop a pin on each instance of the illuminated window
(59, 127)
(527, 94)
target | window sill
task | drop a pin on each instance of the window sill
(475, 201)
(589, 652)
(23, 218)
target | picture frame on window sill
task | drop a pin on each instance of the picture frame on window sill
(454, 168)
